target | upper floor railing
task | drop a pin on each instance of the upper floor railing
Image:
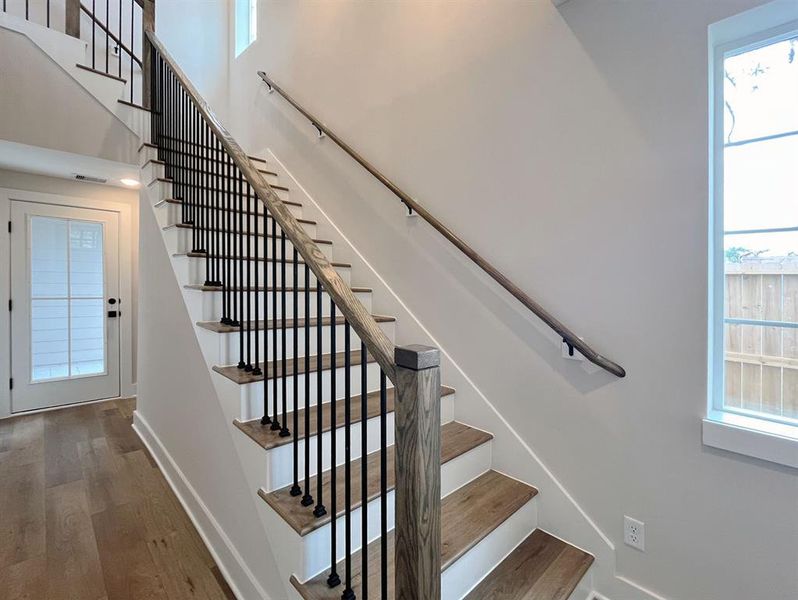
(568, 337)
(112, 29)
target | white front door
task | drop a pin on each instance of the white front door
(65, 292)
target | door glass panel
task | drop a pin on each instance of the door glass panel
(49, 260)
(49, 339)
(67, 298)
(88, 336)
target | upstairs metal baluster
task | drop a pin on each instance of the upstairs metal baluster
(107, 31)
(119, 45)
(295, 489)
(333, 580)
(348, 593)
(132, 45)
(224, 251)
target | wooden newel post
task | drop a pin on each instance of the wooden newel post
(148, 22)
(418, 473)
(72, 18)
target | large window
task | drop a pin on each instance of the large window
(754, 224)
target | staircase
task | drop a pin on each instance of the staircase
(368, 485)
(360, 444)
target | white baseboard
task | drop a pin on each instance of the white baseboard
(238, 576)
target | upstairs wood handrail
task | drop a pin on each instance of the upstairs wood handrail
(367, 329)
(568, 336)
(110, 33)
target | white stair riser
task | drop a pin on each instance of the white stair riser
(191, 270)
(277, 463)
(316, 545)
(164, 189)
(229, 347)
(474, 565)
(209, 305)
(136, 119)
(171, 213)
(252, 393)
(154, 170)
(179, 240)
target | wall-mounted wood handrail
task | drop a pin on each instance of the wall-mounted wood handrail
(110, 33)
(378, 344)
(568, 336)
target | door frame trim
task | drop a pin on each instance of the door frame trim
(127, 386)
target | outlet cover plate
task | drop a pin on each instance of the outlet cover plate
(634, 533)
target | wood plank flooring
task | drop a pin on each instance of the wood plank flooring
(85, 514)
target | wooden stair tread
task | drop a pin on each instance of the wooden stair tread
(468, 515)
(192, 185)
(301, 290)
(292, 367)
(456, 439)
(268, 438)
(151, 145)
(189, 168)
(103, 73)
(290, 261)
(289, 323)
(542, 567)
(246, 232)
(246, 212)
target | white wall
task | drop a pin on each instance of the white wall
(58, 191)
(570, 149)
(180, 416)
(195, 32)
(42, 105)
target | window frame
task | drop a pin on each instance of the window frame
(768, 437)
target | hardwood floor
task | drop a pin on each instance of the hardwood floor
(85, 514)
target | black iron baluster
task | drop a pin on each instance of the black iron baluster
(319, 511)
(348, 593)
(252, 319)
(132, 46)
(243, 250)
(333, 580)
(295, 489)
(93, 28)
(272, 266)
(284, 432)
(364, 498)
(219, 185)
(208, 221)
(307, 499)
(383, 488)
(48, 14)
(266, 419)
(107, 32)
(119, 45)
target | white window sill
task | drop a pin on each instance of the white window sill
(767, 440)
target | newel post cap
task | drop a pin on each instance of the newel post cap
(417, 357)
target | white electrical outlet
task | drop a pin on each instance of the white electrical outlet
(634, 533)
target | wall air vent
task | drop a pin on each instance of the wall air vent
(89, 178)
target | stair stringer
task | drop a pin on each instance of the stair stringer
(559, 512)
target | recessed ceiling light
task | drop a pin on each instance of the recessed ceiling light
(130, 182)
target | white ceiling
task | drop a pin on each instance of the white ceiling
(44, 161)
